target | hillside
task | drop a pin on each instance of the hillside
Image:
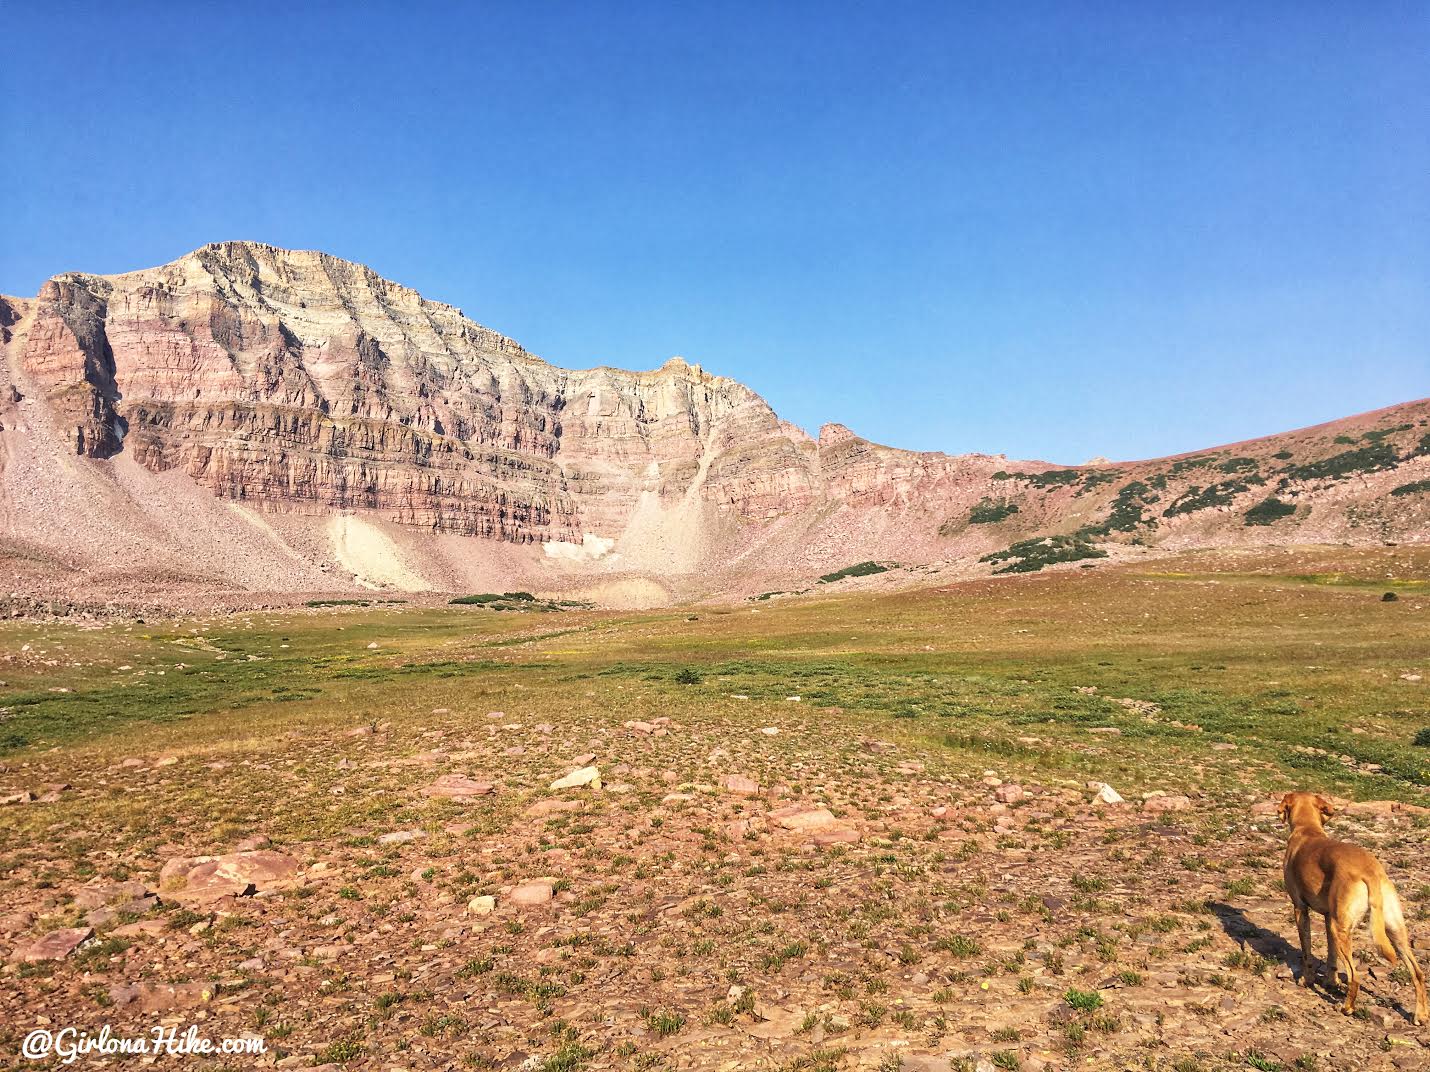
(254, 420)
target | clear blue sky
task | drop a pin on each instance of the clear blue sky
(1052, 230)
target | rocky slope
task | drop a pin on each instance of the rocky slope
(255, 419)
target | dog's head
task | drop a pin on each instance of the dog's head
(1305, 809)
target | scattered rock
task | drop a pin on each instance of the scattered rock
(401, 837)
(1107, 795)
(543, 808)
(203, 880)
(584, 776)
(53, 946)
(740, 785)
(535, 892)
(161, 997)
(457, 787)
(802, 818)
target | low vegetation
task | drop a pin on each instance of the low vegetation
(991, 511)
(859, 569)
(685, 920)
(1269, 511)
(519, 601)
(1027, 556)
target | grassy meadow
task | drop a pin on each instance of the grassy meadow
(689, 928)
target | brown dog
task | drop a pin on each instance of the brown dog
(1341, 881)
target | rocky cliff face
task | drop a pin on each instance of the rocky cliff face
(299, 388)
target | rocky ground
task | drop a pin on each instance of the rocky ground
(700, 893)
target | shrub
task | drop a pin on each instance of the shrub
(991, 511)
(860, 569)
(1422, 739)
(1052, 478)
(1028, 556)
(1268, 511)
(1418, 487)
(687, 676)
(1083, 1000)
(1339, 466)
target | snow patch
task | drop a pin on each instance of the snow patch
(370, 555)
(591, 548)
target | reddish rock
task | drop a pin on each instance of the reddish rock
(205, 879)
(543, 808)
(1009, 794)
(457, 787)
(802, 818)
(160, 997)
(53, 946)
(1157, 805)
(528, 894)
(740, 785)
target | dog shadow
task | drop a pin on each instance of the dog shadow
(1275, 947)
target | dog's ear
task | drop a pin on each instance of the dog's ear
(1324, 807)
(1286, 808)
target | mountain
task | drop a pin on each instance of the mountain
(253, 419)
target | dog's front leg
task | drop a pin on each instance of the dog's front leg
(1303, 929)
(1330, 977)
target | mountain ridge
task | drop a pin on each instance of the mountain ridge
(327, 429)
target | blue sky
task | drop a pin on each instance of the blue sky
(1051, 230)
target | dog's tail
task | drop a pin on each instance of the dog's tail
(1384, 908)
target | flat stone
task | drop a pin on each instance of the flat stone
(740, 785)
(803, 818)
(160, 997)
(53, 946)
(543, 808)
(528, 894)
(584, 776)
(210, 878)
(457, 787)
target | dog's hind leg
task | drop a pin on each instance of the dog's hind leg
(1348, 903)
(1398, 937)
